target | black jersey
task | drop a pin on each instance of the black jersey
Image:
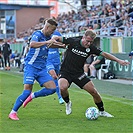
(76, 55)
(6, 49)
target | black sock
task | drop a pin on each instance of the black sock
(66, 99)
(100, 106)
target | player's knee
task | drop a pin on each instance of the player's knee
(63, 88)
(94, 92)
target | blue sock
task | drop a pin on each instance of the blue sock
(57, 89)
(21, 99)
(44, 92)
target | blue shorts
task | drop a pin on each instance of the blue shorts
(53, 66)
(40, 75)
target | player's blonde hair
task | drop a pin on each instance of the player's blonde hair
(90, 33)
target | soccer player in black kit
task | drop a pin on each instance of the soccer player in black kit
(72, 68)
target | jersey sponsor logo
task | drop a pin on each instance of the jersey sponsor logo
(35, 36)
(53, 52)
(88, 50)
(78, 52)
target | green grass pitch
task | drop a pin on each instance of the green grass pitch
(46, 115)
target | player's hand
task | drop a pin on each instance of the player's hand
(123, 62)
(55, 44)
(53, 74)
(51, 42)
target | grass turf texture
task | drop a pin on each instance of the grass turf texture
(47, 115)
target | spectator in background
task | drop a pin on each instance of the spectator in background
(96, 65)
(6, 53)
(12, 58)
(88, 62)
(17, 59)
(41, 19)
(1, 60)
(93, 65)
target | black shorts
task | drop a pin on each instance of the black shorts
(79, 79)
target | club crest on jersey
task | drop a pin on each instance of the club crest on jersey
(88, 50)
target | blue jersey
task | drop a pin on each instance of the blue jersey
(37, 56)
(53, 53)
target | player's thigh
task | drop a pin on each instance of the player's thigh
(29, 75)
(64, 81)
(45, 79)
(89, 87)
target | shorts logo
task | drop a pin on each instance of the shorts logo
(88, 50)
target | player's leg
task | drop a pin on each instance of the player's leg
(28, 83)
(45, 80)
(92, 71)
(54, 71)
(86, 68)
(5, 62)
(61, 101)
(19, 102)
(63, 85)
(8, 60)
(41, 93)
(89, 87)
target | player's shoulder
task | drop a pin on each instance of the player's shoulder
(37, 32)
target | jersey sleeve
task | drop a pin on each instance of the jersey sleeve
(70, 40)
(95, 50)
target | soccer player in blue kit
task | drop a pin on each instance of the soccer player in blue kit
(35, 66)
(53, 67)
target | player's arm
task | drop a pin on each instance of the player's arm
(58, 38)
(112, 57)
(57, 42)
(64, 40)
(35, 44)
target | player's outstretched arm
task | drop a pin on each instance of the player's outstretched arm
(35, 44)
(112, 57)
(57, 43)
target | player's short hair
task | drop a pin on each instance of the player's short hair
(51, 21)
(90, 33)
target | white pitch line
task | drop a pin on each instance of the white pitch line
(111, 99)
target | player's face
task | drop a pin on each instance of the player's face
(87, 41)
(50, 30)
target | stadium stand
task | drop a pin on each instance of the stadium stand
(114, 19)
